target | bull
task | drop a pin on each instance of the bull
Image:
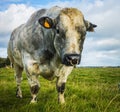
(49, 44)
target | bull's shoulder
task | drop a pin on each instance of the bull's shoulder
(36, 15)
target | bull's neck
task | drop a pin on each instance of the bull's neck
(48, 40)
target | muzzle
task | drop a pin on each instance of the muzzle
(71, 59)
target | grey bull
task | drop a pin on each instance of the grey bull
(49, 44)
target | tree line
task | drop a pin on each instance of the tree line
(4, 62)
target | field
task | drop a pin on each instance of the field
(87, 90)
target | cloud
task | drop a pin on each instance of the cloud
(14, 16)
(101, 47)
(101, 51)
(106, 16)
(3, 52)
(100, 58)
(11, 18)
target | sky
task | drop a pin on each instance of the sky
(101, 48)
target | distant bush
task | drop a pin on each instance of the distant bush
(4, 62)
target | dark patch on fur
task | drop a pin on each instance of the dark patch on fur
(48, 55)
(34, 89)
(17, 93)
(61, 88)
(36, 41)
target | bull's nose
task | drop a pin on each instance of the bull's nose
(71, 59)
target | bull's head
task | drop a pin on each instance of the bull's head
(70, 30)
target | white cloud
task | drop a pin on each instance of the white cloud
(11, 18)
(108, 42)
(3, 52)
(101, 52)
(14, 16)
(106, 16)
(100, 58)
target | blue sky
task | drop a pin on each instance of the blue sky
(101, 48)
(5, 3)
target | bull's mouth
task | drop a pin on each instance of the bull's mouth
(71, 59)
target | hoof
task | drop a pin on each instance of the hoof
(19, 96)
(33, 102)
(61, 102)
(18, 93)
(61, 99)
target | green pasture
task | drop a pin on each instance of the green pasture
(87, 90)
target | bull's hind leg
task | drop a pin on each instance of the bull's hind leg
(18, 77)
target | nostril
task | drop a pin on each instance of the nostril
(74, 61)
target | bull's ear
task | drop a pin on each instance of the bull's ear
(89, 26)
(46, 22)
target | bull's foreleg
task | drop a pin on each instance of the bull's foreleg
(34, 87)
(18, 77)
(61, 81)
(60, 88)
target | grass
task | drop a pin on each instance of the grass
(87, 90)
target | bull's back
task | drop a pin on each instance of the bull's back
(35, 16)
(14, 52)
